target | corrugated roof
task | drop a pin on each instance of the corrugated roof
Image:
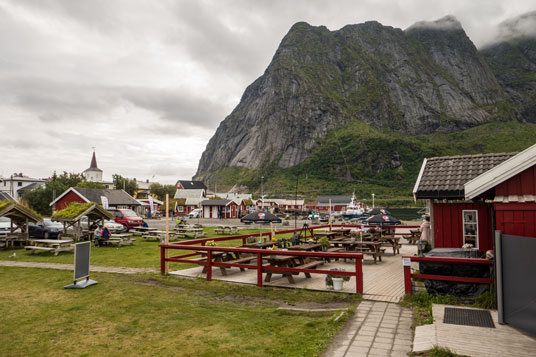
(115, 197)
(191, 185)
(334, 199)
(215, 202)
(5, 196)
(445, 177)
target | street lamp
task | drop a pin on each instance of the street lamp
(373, 200)
(262, 193)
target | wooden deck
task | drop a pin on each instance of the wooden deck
(383, 281)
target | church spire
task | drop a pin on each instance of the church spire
(93, 164)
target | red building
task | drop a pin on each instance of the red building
(227, 208)
(112, 198)
(472, 195)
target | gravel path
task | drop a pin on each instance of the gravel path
(93, 268)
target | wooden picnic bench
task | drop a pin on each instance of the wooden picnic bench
(54, 246)
(415, 236)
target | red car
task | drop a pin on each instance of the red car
(127, 218)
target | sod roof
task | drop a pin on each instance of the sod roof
(18, 213)
(75, 211)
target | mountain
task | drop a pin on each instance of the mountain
(357, 107)
(512, 59)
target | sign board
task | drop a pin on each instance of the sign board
(82, 252)
(406, 262)
(104, 201)
(151, 203)
(81, 260)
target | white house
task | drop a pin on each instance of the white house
(16, 184)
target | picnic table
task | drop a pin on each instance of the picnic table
(290, 261)
(143, 229)
(326, 234)
(120, 239)
(391, 240)
(342, 231)
(52, 245)
(228, 257)
(415, 236)
(226, 230)
(365, 247)
(306, 246)
(258, 245)
(191, 232)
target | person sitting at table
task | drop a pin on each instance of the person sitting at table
(97, 232)
(144, 224)
(105, 235)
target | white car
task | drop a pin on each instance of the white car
(5, 226)
(112, 225)
(196, 213)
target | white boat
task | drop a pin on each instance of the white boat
(354, 209)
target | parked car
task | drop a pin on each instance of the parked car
(5, 226)
(127, 218)
(46, 229)
(112, 225)
(196, 213)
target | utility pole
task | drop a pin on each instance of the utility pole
(262, 193)
(373, 200)
(296, 204)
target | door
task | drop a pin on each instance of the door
(516, 274)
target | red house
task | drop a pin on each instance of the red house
(227, 208)
(470, 196)
(113, 198)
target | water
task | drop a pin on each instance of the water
(406, 214)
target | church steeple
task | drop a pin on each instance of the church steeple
(93, 164)
(93, 173)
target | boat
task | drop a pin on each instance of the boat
(353, 210)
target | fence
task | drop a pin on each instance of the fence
(408, 275)
(259, 266)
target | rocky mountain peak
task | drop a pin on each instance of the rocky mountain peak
(429, 78)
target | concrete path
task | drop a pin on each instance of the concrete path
(502, 340)
(93, 268)
(376, 329)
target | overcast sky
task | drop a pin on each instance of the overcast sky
(147, 82)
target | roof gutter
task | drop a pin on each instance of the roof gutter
(418, 182)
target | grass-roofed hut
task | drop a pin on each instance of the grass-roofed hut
(20, 217)
(71, 215)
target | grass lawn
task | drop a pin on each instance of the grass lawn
(149, 314)
(143, 254)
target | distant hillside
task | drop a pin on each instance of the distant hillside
(360, 107)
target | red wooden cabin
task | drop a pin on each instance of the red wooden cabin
(470, 196)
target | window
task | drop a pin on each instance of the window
(19, 184)
(180, 208)
(470, 227)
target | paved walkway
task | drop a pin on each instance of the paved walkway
(93, 268)
(502, 340)
(376, 329)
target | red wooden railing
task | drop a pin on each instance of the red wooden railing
(196, 244)
(408, 275)
(260, 253)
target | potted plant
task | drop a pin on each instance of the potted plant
(335, 281)
(324, 242)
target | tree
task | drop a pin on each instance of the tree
(40, 198)
(90, 184)
(160, 190)
(123, 183)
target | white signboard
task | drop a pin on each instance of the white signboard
(104, 201)
(406, 262)
(151, 203)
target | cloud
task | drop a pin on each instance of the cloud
(54, 101)
(147, 82)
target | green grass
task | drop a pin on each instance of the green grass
(437, 351)
(153, 315)
(143, 254)
(421, 303)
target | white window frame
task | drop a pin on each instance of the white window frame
(475, 212)
(180, 208)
